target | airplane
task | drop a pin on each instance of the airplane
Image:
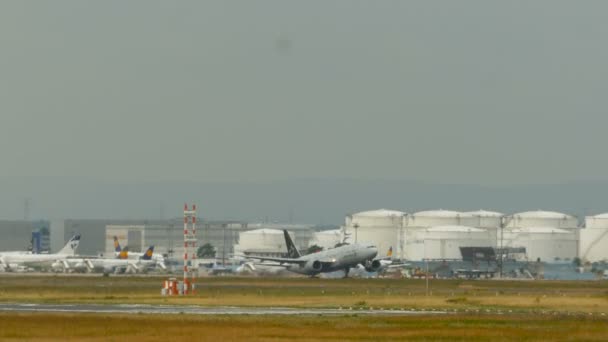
(3, 253)
(340, 258)
(14, 261)
(110, 265)
(124, 253)
(117, 247)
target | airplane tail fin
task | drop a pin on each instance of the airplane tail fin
(390, 252)
(292, 251)
(71, 246)
(116, 245)
(124, 253)
(148, 254)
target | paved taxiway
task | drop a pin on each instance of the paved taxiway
(196, 310)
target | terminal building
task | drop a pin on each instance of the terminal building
(226, 237)
(168, 237)
(165, 235)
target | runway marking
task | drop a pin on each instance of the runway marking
(198, 310)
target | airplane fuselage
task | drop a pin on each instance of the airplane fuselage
(33, 258)
(341, 258)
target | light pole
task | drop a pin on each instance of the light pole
(502, 247)
(426, 273)
(224, 246)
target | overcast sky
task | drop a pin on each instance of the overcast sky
(481, 92)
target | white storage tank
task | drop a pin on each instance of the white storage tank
(484, 218)
(268, 242)
(371, 218)
(549, 244)
(327, 238)
(489, 220)
(381, 227)
(432, 218)
(593, 239)
(443, 242)
(541, 218)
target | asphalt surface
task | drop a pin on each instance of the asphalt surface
(197, 310)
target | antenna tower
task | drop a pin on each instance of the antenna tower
(190, 267)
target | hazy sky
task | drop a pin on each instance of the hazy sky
(442, 91)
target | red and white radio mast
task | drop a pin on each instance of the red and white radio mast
(190, 267)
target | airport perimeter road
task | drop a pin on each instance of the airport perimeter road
(197, 310)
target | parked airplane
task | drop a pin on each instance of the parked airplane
(14, 261)
(335, 259)
(14, 253)
(111, 265)
(145, 262)
(124, 253)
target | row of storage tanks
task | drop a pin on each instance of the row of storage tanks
(439, 234)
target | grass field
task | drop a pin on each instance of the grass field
(477, 310)
(459, 295)
(92, 327)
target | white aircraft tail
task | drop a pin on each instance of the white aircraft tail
(71, 246)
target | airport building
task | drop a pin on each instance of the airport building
(431, 234)
(93, 232)
(17, 235)
(167, 237)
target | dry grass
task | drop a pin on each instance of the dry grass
(92, 327)
(302, 292)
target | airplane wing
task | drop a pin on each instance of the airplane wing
(279, 260)
(136, 266)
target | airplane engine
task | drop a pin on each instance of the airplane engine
(315, 266)
(57, 266)
(372, 265)
(80, 267)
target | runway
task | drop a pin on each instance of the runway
(199, 310)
